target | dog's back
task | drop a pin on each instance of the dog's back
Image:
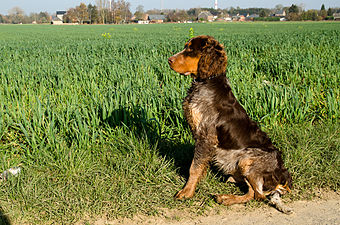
(211, 106)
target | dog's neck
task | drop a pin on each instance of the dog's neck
(200, 80)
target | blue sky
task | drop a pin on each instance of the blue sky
(53, 5)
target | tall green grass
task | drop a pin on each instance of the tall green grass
(97, 123)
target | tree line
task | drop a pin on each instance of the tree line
(16, 16)
(295, 13)
(118, 11)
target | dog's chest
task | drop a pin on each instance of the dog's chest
(198, 109)
(193, 113)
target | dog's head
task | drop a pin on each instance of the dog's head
(202, 57)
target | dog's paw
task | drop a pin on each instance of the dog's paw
(224, 199)
(184, 194)
(286, 210)
(276, 201)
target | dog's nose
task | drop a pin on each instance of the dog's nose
(171, 60)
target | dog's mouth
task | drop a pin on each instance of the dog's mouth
(181, 66)
(187, 73)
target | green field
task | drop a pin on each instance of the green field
(97, 124)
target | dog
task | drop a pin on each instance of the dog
(223, 132)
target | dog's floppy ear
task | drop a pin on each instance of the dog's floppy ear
(213, 60)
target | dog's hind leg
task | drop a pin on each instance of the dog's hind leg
(236, 199)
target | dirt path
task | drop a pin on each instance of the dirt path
(315, 212)
(321, 211)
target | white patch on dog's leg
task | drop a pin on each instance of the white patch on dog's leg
(276, 201)
(231, 180)
(259, 187)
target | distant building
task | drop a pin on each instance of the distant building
(239, 17)
(280, 13)
(56, 21)
(156, 18)
(140, 20)
(58, 18)
(205, 15)
(60, 15)
(242, 18)
(336, 16)
(227, 17)
(252, 17)
(143, 22)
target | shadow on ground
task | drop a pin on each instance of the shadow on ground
(4, 220)
(136, 120)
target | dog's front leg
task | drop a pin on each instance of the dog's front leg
(275, 200)
(198, 168)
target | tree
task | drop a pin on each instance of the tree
(293, 9)
(71, 16)
(329, 12)
(78, 14)
(139, 14)
(153, 11)
(43, 17)
(323, 12)
(120, 11)
(263, 13)
(16, 15)
(178, 15)
(93, 13)
(102, 6)
(279, 7)
(293, 13)
(193, 12)
(323, 7)
(4, 19)
(81, 13)
(310, 15)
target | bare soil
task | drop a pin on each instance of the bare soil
(323, 210)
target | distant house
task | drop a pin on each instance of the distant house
(141, 19)
(239, 17)
(205, 15)
(242, 18)
(58, 18)
(60, 15)
(235, 18)
(228, 18)
(219, 20)
(252, 17)
(336, 16)
(56, 21)
(156, 18)
(143, 22)
(280, 13)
